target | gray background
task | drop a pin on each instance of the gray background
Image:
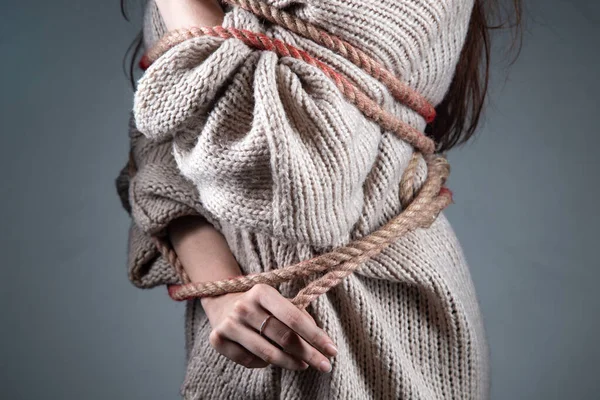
(73, 327)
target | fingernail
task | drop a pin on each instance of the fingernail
(331, 350)
(325, 366)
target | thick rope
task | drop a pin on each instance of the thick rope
(419, 210)
(356, 96)
(407, 184)
(164, 247)
(402, 92)
(342, 261)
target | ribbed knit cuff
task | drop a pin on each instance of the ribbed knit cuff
(154, 193)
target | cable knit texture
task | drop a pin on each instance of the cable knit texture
(269, 151)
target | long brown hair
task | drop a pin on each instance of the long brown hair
(460, 111)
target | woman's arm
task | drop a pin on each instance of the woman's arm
(186, 13)
(205, 256)
(198, 244)
(234, 317)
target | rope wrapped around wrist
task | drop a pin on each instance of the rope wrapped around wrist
(419, 209)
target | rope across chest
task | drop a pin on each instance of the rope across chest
(420, 209)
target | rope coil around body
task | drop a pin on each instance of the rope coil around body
(402, 92)
(342, 261)
(419, 210)
(356, 96)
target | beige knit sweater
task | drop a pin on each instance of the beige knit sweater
(270, 152)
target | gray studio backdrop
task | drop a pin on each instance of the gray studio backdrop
(73, 327)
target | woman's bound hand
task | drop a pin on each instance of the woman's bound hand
(236, 318)
(297, 342)
(294, 342)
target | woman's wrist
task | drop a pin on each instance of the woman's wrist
(214, 304)
(202, 250)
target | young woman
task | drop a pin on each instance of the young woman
(246, 161)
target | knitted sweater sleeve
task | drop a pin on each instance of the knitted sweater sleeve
(270, 143)
(154, 193)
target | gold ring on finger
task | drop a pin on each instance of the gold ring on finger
(264, 323)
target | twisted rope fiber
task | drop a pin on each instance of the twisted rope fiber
(356, 96)
(402, 92)
(342, 261)
(419, 211)
(167, 251)
(407, 183)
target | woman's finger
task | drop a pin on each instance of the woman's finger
(293, 344)
(251, 314)
(309, 316)
(272, 301)
(235, 352)
(262, 348)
